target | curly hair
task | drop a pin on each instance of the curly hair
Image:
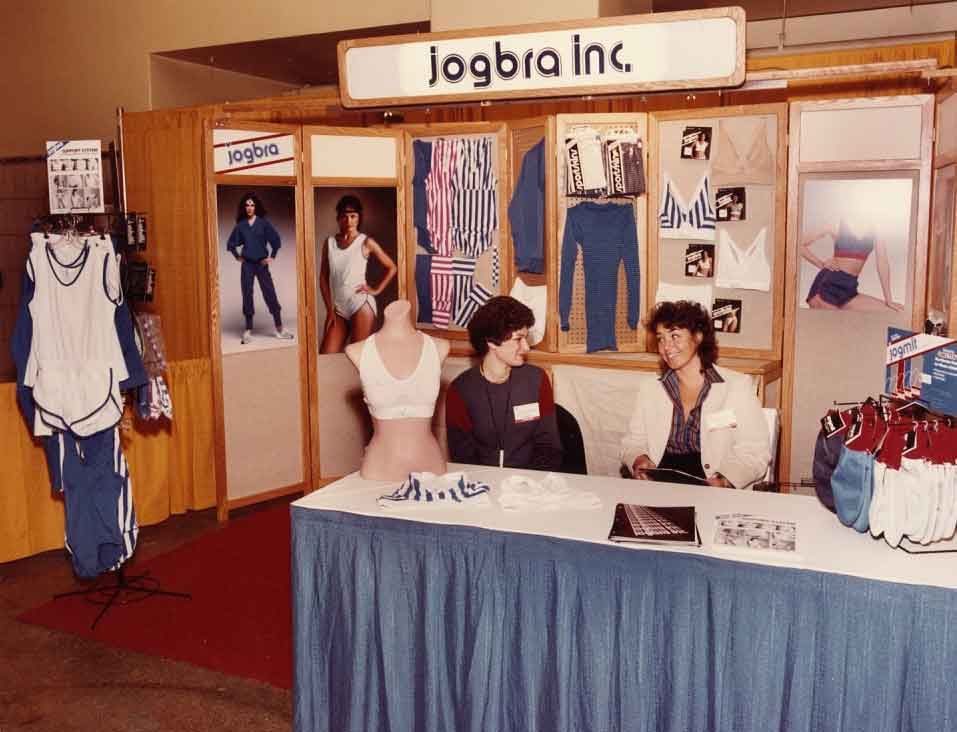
(692, 317)
(496, 321)
(241, 208)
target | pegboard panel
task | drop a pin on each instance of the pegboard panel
(521, 141)
(574, 340)
(484, 269)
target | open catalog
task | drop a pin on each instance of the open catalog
(673, 525)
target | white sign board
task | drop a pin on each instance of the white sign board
(247, 152)
(694, 49)
(75, 176)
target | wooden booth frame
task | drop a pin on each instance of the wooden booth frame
(312, 182)
(305, 340)
(945, 162)
(182, 195)
(919, 166)
(777, 250)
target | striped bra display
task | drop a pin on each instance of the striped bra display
(678, 220)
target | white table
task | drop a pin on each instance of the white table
(479, 618)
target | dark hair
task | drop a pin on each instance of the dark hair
(692, 317)
(241, 209)
(349, 203)
(496, 321)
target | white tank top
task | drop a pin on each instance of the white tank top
(390, 398)
(347, 270)
(746, 269)
(76, 363)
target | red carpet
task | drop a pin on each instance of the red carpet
(239, 620)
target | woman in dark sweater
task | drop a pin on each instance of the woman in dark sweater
(502, 411)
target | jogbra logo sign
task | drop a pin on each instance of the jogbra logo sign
(252, 152)
(259, 153)
(652, 52)
(505, 64)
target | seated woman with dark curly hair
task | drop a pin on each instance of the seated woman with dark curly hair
(502, 411)
(697, 418)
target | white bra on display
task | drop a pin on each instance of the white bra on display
(390, 398)
(743, 269)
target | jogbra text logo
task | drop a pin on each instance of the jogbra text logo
(252, 153)
(505, 64)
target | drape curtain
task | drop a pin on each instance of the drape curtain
(171, 465)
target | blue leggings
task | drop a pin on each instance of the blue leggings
(258, 270)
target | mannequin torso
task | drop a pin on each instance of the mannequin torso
(399, 356)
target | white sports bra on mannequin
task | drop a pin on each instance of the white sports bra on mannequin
(390, 398)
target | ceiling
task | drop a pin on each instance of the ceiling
(311, 60)
(299, 60)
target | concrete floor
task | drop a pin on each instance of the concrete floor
(55, 681)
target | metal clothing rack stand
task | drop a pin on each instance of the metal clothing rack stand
(123, 591)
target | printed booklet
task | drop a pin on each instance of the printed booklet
(673, 525)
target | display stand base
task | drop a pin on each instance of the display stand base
(124, 591)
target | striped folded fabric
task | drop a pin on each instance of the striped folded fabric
(452, 490)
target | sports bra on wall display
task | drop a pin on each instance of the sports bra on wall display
(745, 158)
(694, 220)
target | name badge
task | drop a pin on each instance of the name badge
(720, 420)
(526, 412)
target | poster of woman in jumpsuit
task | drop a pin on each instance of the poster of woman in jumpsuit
(257, 267)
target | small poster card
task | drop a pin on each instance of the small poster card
(696, 143)
(731, 204)
(699, 260)
(747, 532)
(832, 423)
(75, 176)
(726, 315)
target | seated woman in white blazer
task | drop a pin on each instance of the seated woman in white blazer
(697, 418)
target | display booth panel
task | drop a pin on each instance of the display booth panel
(941, 287)
(940, 280)
(457, 222)
(527, 268)
(258, 329)
(354, 222)
(946, 146)
(846, 135)
(600, 250)
(857, 256)
(718, 185)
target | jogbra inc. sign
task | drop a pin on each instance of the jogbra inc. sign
(694, 49)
